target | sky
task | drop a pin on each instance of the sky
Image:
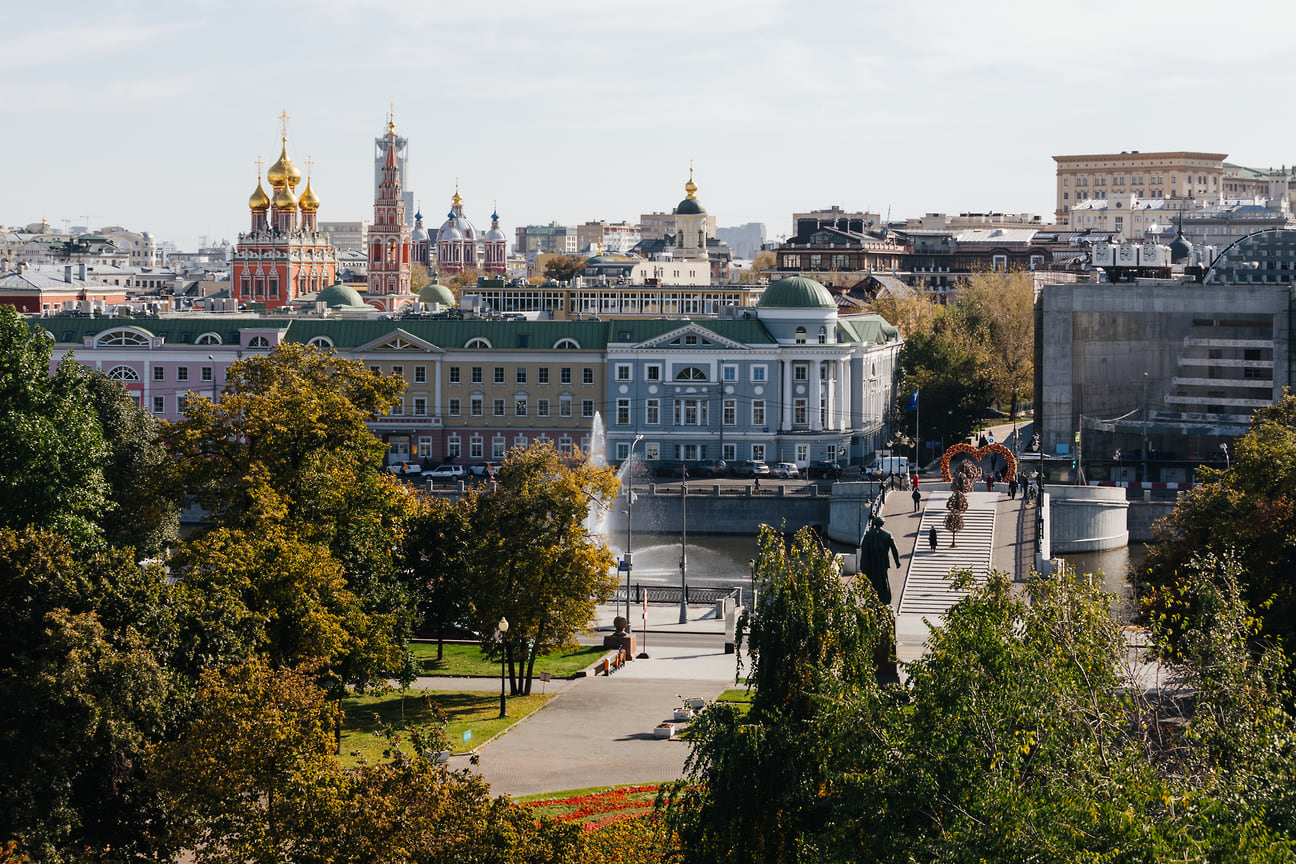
(151, 114)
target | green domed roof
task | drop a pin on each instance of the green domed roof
(796, 292)
(339, 295)
(435, 292)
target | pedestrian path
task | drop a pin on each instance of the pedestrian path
(928, 588)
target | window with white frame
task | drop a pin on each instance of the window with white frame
(564, 375)
(520, 441)
(475, 447)
(690, 373)
(206, 374)
(832, 452)
(731, 412)
(499, 374)
(652, 452)
(420, 375)
(475, 374)
(758, 374)
(453, 447)
(623, 372)
(800, 336)
(622, 451)
(520, 375)
(800, 372)
(652, 372)
(758, 452)
(758, 412)
(729, 452)
(565, 407)
(799, 412)
(587, 375)
(420, 406)
(520, 406)
(454, 407)
(425, 447)
(652, 412)
(159, 373)
(623, 412)
(498, 444)
(398, 408)
(823, 335)
(475, 406)
(587, 407)
(802, 452)
(159, 404)
(542, 407)
(565, 446)
(497, 407)
(542, 376)
(729, 372)
(690, 412)
(182, 373)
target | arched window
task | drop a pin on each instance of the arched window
(123, 373)
(690, 373)
(115, 338)
(567, 345)
(321, 342)
(208, 339)
(800, 336)
(258, 342)
(478, 342)
(823, 335)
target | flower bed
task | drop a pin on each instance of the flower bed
(600, 808)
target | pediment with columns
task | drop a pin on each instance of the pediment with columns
(401, 340)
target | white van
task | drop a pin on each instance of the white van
(896, 464)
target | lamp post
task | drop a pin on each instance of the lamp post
(503, 630)
(212, 359)
(683, 610)
(1145, 459)
(628, 558)
(751, 566)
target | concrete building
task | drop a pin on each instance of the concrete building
(744, 240)
(607, 237)
(347, 236)
(1177, 174)
(1178, 364)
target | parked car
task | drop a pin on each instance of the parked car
(708, 468)
(484, 470)
(785, 470)
(446, 472)
(405, 469)
(826, 470)
(671, 469)
(751, 468)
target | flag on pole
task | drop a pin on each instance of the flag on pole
(912, 404)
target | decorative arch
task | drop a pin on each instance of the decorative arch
(122, 337)
(567, 345)
(258, 342)
(321, 342)
(478, 342)
(690, 373)
(208, 338)
(977, 454)
(123, 373)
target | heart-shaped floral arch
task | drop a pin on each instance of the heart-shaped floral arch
(977, 453)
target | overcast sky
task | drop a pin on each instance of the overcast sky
(151, 114)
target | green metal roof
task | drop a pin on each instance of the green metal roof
(867, 329)
(748, 331)
(797, 292)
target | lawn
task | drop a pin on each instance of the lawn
(472, 711)
(467, 661)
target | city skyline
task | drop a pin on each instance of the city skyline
(151, 115)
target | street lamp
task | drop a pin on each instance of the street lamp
(503, 630)
(212, 359)
(751, 565)
(628, 558)
(683, 612)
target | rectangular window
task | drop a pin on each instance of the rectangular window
(497, 448)
(799, 413)
(420, 406)
(623, 451)
(564, 375)
(475, 406)
(564, 407)
(475, 448)
(398, 409)
(425, 447)
(498, 407)
(476, 374)
(520, 407)
(587, 375)
(499, 374)
(159, 404)
(691, 412)
(182, 373)
(652, 412)
(729, 452)
(623, 412)
(454, 375)
(398, 371)
(800, 372)
(758, 373)
(623, 372)
(454, 407)
(758, 412)
(729, 372)
(652, 452)
(420, 375)
(542, 376)
(758, 452)
(520, 375)
(542, 407)
(731, 412)
(452, 447)
(652, 373)
(587, 407)
(207, 373)
(159, 374)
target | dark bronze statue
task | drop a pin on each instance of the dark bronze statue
(874, 546)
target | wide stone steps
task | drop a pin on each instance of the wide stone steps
(928, 590)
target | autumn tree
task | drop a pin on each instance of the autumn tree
(762, 263)
(914, 312)
(530, 558)
(563, 267)
(997, 311)
(954, 389)
(419, 276)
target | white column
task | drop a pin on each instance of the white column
(787, 395)
(816, 395)
(843, 408)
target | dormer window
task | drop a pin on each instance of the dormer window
(800, 335)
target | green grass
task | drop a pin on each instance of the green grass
(741, 694)
(475, 711)
(468, 661)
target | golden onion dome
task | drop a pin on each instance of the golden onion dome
(284, 200)
(309, 202)
(284, 172)
(259, 201)
(690, 187)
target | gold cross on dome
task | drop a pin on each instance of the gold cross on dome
(259, 163)
(284, 118)
(310, 163)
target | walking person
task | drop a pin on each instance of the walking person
(756, 478)
(1012, 487)
(914, 477)
(917, 499)
(931, 538)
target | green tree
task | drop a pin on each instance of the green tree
(85, 687)
(531, 559)
(954, 390)
(436, 543)
(998, 312)
(563, 267)
(756, 788)
(1247, 513)
(145, 511)
(762, 263)
(52, 447)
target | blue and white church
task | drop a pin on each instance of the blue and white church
(790, 381)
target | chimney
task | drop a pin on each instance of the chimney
(67, 273)
(81, 271)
